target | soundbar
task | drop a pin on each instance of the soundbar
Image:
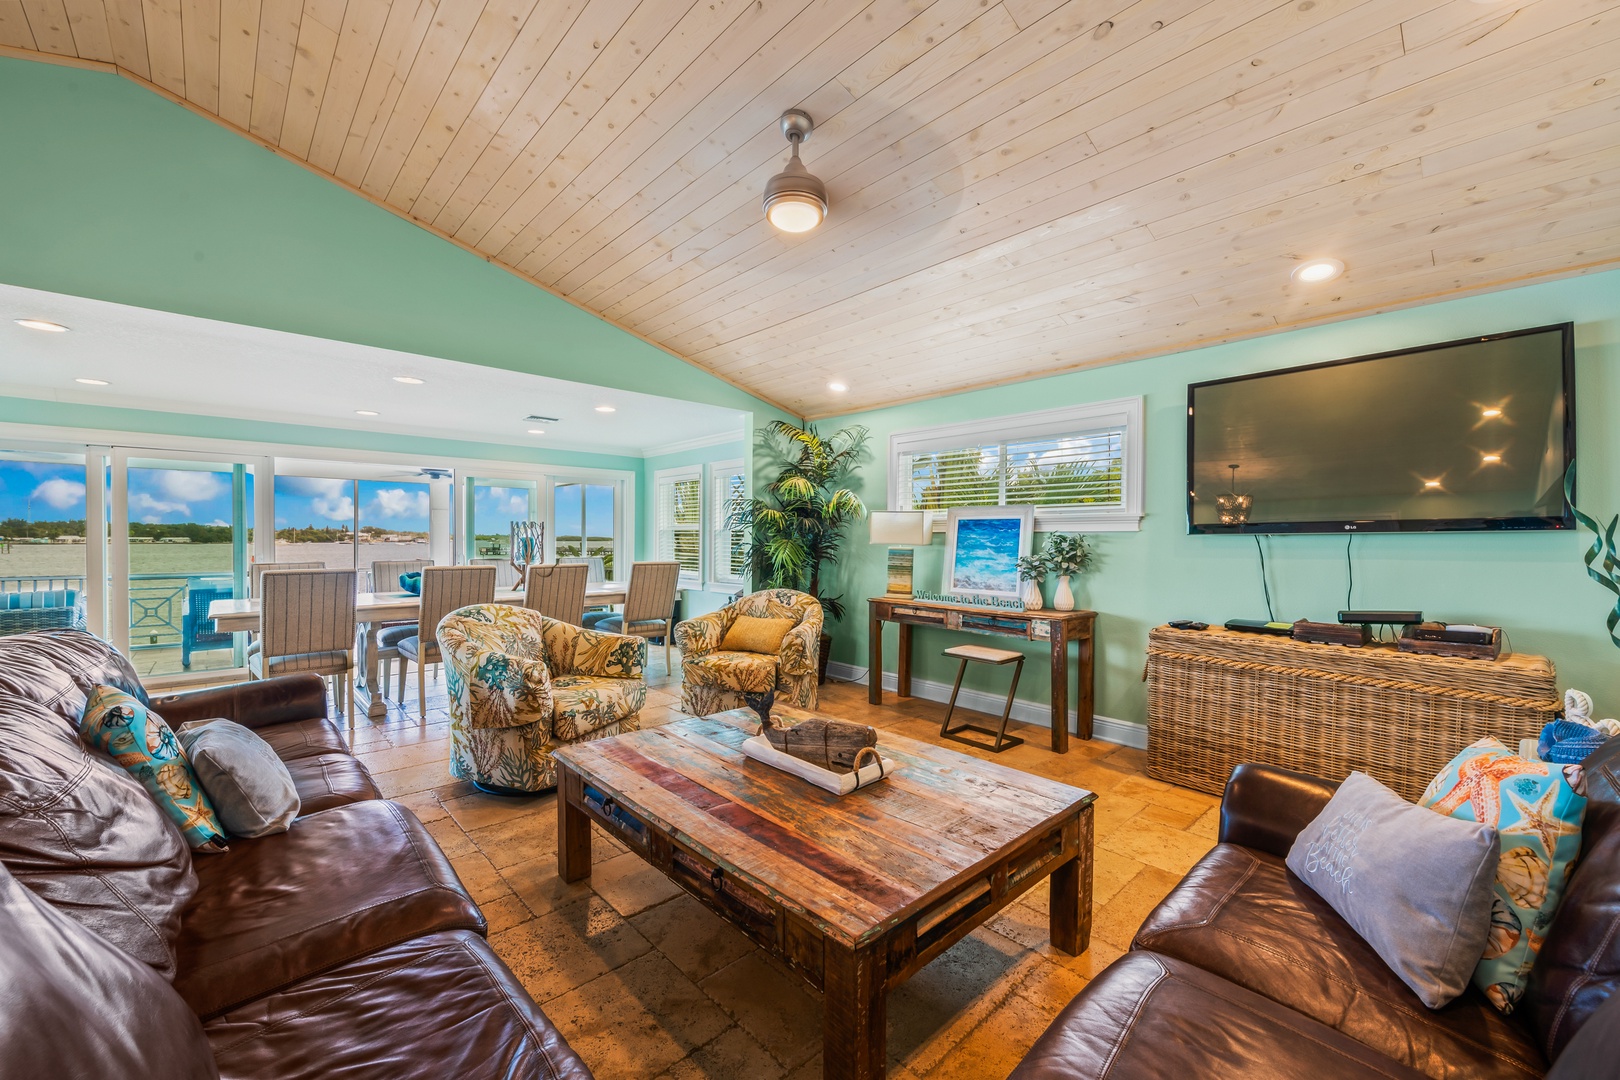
(1381, 618)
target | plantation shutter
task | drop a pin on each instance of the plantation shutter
(730, 545)
(680, 522)
(1063, 469)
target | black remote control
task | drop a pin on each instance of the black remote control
(1188, 624)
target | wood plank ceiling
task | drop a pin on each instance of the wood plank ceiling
(1018, 187)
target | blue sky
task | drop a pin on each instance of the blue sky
(40, 492)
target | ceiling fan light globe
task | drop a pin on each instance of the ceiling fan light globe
(795, 199)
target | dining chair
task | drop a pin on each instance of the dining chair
(256, 571)
(597, 564)
(385, 575)
(444, 589)
(558, 592)
(649, 604)
(307, 623)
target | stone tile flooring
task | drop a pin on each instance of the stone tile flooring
(645, 983)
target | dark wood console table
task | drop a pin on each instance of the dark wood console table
(1058, 628)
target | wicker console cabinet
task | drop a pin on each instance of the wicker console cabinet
(1217, 699)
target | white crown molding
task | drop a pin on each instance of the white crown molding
(1105, 728)
(692, 444)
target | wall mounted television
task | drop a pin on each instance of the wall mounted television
(1464, 435)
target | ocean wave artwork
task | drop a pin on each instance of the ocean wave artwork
(987, 555)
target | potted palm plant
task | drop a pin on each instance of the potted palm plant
(797, 525)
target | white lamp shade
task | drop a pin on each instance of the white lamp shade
(900, 527)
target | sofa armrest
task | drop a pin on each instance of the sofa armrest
(251, 704)
(701, 635)
(1265, 807)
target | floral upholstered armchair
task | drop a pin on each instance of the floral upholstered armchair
(714, 679)
(522, 684)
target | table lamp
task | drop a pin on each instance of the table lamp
(902, 530)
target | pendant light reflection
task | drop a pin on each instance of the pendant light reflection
(795, 200)
(1234, 506)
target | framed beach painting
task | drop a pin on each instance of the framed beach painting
(982, 547)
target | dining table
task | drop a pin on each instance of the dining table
(375, 610)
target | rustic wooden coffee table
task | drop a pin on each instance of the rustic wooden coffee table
(853, 893)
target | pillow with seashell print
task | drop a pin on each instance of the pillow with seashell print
(1538, 817)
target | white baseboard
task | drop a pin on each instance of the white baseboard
(1105, 728)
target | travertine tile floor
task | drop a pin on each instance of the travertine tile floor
(645, 983)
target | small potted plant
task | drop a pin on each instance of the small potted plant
(1031, 571)
(1066, 554)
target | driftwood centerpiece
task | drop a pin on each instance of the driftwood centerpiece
(834, 745)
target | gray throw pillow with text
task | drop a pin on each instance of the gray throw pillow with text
(1416, 885)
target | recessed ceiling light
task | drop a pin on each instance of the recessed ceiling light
(41, 324)
(837, 387)
(1490, 414)
(537, 431)
(606, 408)
(409, 380)
(93, 382)
(364, 412)
(1491, 459)
(1431, 483)
(1316, 271)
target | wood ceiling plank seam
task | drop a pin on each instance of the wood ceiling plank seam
(199, 41)
(126, 23)
(92, 39)
(272, 66)
(402, 35)
(1293, 218)
(1124, 41)
(319, 32)
(359, 38)
(630, 116)
(488, 47)
(430, 70)
(701, 99)
(1435, 25)
(1221, 155)
(165, 45)
(596, 25)
(748, 142)
(238, 58)
(1567, 117)
(514, 197)
(920, 38)
(49, 24)
(15, 32)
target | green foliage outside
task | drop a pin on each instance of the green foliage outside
(950, 478)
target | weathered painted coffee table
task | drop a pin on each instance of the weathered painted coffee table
(853, 893)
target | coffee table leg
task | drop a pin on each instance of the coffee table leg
(854, 1015)
(573, 828)
(1069, 921)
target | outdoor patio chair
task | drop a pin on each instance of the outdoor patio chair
(197, 631)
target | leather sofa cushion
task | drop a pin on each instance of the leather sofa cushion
(439, 1005)
(304, 738)
(84, 835)
(1241, 915)
(335, 886)
(251, 704)
(77, 1006)
(59, 669)
(1151, 1017)
(330, 780)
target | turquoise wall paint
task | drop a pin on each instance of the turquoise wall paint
(695, 601)
(1532, 584)
(114, 193)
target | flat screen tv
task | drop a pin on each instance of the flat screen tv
(1473, 434)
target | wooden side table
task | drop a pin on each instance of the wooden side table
(1058, 628)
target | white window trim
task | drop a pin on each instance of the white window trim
(688, 580)
(719, 581)
(623, 552)
(1118, 412)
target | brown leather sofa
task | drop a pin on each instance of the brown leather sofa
(1243, 971)
(345, 946)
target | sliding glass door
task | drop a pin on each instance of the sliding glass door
(585, 521)
(44, 542)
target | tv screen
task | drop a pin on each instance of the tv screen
(1473, 434)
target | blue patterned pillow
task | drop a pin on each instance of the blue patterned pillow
(140, 741)
(1538, 818)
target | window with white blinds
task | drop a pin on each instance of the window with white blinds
(680, 520)
(1080, 467)
(727, 550)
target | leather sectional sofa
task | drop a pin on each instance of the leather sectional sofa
(1242, 971)
(345, 946)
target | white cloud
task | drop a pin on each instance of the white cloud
(340, 509)
(312, 486)
(60, 494)
(183, 485)
(153, 509)
(399, 503)
(220, 521)
(511, 501)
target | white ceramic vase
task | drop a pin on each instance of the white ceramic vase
(1063, 599)
(1032, 594)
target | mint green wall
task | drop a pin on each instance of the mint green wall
(696, 601)
(1532, 584)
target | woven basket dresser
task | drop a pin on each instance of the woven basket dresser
(1218, 699)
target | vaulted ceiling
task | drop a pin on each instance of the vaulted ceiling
(1018, 187)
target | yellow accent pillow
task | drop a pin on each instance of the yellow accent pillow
(749, 634)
